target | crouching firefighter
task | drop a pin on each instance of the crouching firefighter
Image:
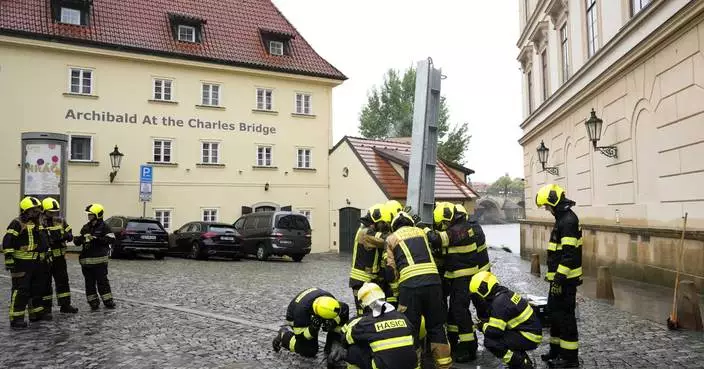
(59, 233)
(513, 328)
(95, 239)
(310, 311)
(382, 338)
(367, 247)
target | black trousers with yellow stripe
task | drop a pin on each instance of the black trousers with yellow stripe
(460, 328)
(307, 347)
(564, 338)
(28, 284)
(511, 347)
(57, 271)
(96, 275)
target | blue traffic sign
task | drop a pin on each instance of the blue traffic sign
(145, 173)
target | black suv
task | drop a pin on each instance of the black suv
(138, 235)
(280, 233)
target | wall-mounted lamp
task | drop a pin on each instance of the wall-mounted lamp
(115, 161)
(348, 201)
(543, 158)
(266, 187)
(593, 125)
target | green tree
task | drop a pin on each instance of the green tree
(389, 113)
(505, 186)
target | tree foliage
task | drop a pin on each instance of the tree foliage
(505, 186)
(389, 113)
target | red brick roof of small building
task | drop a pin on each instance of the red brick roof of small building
(371, 153)
(231, 34)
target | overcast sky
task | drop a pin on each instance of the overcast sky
(473, 42)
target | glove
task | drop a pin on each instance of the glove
(316, 322)
(89, 237)
(555, 289)
(328, 325)
(416, 218)
(559, 278)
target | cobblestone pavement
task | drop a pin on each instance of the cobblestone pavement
(179, 313)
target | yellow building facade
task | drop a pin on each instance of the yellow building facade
(223, 138)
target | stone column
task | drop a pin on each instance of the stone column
(604, 286)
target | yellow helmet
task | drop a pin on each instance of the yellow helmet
(96, 209)
(482, 283)
(402, 219)
(394, 207)
(444, 211)
(459, 208)
(50, 204)
(370, 292)
(549, 195)
(326, 307)
(380, 213)
(29, 202)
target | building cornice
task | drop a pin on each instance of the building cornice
(539, 36)
(530, 24)
(558, 11)
(525, 57)
(570, 95)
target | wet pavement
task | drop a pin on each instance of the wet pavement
(179, 313)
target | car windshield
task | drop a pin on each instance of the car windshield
(144, 226)
(221, 229)
(297, 222)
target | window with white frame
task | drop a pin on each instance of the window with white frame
(265, 97)
(186, 33)
(306, 213)
(81, 147)
(303, 159)
(81, 81)
(276, 48)
(210, 152)
(564, 53)
(638, 5)
(592, 24)
(544, 73)
(211, 94)
(163, 89)
(162, 151)
(164, 217)
(210, 215)
(529, 77)
(264, 157)
(303, 104)
(71, 16)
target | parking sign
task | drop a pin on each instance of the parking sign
(145, 182)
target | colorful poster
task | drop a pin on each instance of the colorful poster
(42, 169)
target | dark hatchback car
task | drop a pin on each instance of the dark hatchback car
(135, 235)
(199, 240)
(280, 233)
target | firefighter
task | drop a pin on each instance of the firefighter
(58, 233)
(311, 310)
(366, 253)
(420, 288)
(481, 257)
(458, 242)
(390, 287)
(25, 247)
(96, 237)
(564, 262)
(512, 328)
(382, 338)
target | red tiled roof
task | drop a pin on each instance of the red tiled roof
(377, 155)
(231, 34)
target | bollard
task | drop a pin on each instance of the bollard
(535, 264)
(689, 316)
(604, 287)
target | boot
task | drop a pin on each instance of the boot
(564, 363)
(441, 354)
(520, 360)
(553, 354)
(94, 307)
(68, 309)
(276, 343)
(42, 316)
(465, 352)
(18, 324)
(110, 304)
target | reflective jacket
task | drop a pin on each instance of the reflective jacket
(409, 258)
(389, 336)
(299, 313)
(508, 311)
(464, 248)
(365, 257)
(565, 248)
(59, 233)
(96, 240)
(24, 241)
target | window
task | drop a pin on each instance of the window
(211, 94)
(276, 48)
(264, 99)
(544, 72)
(306, 213)
(303, 159)
(81, 81)
(71, 16)
(164, 217)
(303, 104)
(529, 76)
(210, 215)
(162, 151)
(264, 156)
(564, 53)
(186, 33)
(194, 228)
(81, 148)
(162, 89)
(638, 5)
(210, 152)
(592, 33)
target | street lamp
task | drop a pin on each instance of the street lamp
(593, 125)
(115, 161)
(543, 159)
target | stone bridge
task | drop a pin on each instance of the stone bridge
(492, 209)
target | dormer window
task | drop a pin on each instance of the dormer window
(73, 12)
(186, 33)
(71, 16)
(276, 48)
(276, 42)
(186, 28)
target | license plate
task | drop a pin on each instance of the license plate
(285, 242)
(225, 238)
(148, 237)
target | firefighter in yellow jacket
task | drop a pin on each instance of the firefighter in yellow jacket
(95, 238)
(59, 232)
(367, 249)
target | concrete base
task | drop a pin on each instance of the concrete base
(604, 286)
(535, 264)
(688, 314)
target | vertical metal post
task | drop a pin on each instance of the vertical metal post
(424, 147)
(144, 209)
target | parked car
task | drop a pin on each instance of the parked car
(135, 235)
(280, 233)
(199, 240)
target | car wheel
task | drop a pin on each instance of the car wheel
(195, 251)
(159, 256)
(261, 253)
(297, 258)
